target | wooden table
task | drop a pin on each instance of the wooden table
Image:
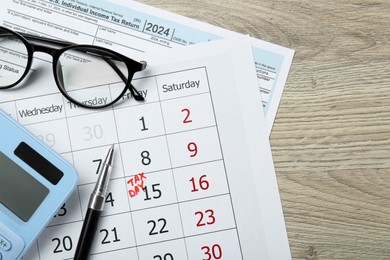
(331, 138)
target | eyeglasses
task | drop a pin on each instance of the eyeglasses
(89, 76)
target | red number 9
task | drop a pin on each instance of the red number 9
(193, 149)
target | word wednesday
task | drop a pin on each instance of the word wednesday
(39, 111)
(181, 86)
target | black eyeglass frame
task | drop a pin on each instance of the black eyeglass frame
(132, 65)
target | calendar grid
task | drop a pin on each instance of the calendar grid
(181, 176)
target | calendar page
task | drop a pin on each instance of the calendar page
(192, 176)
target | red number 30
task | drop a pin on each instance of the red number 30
(213, 252)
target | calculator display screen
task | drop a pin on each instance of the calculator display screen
(20, 192)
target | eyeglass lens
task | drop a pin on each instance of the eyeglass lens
(13, 59)
(91, 76)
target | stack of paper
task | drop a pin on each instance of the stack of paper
(200, 137)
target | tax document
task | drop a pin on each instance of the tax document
(193, 175)
(133, 28)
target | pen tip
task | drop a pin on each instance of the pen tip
(110, 156)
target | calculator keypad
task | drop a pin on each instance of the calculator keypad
(11, 245)
(4, 243)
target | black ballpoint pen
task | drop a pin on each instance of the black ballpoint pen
(95, 208)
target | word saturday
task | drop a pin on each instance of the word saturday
(180, 86)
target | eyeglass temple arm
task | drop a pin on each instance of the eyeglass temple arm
(137, 96)
(63, 44)
(50, 40)
(35, 37)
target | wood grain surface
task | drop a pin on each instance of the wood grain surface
(331, 137)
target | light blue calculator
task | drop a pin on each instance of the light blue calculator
(34, 183)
